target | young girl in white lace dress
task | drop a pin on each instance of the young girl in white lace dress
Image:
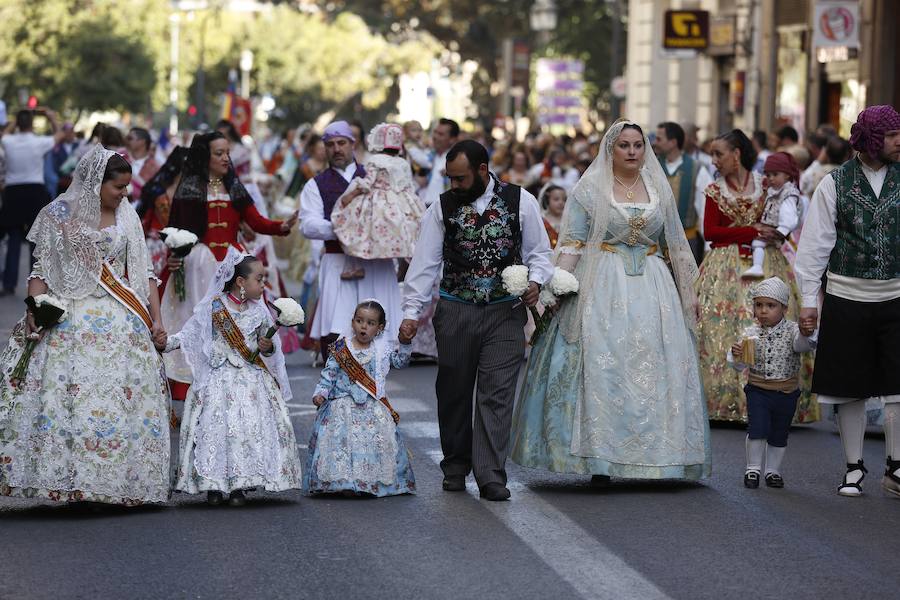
(236, 433)
(355, 447)
(378, 216)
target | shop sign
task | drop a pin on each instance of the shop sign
(686, 29)
(721, 36)
(836, 24)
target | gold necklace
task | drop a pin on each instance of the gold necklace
(628, 193)
(215, 183)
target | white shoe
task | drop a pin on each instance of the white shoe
(853, 489)
(754, 272)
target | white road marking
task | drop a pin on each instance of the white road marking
(591, 568)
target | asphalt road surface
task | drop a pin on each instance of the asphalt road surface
(557, 538)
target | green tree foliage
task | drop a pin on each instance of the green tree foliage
(75, 55)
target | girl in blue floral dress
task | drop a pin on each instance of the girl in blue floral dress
(355, 447)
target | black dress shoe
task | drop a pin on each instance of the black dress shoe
(600, 481)
(751, 479)
(495, 492)
(454, 483)
(774, 480)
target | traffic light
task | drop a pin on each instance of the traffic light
(192, 110)
(32, 102)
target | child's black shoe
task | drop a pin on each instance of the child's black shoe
(774, 480)
(214, 498)
(751, 479)
(237, 498)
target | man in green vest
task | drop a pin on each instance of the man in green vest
(688, 179)
(852, 233)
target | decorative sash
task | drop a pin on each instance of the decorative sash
(358, 374)
(226, 326)
(125, 295)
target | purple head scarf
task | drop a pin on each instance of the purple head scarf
(867, 134)
(338, 129)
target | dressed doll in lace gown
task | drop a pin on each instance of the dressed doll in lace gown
(236, 433)
(355, 447)
(89, 421)
(378, 216)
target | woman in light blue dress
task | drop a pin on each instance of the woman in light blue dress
(613, 387)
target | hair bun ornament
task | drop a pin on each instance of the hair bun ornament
(393, 137)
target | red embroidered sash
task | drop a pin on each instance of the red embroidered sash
(358, 374)
(125, 295)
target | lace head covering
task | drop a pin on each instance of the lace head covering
(197, 333)
(594, 192)
(773, 288)
(867, 134)
(66, 235)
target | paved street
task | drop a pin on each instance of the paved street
(557, 538)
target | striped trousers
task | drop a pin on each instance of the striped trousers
(480, 352)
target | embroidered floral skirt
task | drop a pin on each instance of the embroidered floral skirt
(357, 447)
(726, 312)
(237, 434)
(90, 421)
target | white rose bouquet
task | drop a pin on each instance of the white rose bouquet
(47, 311)
(562, 284)
(290, 314)
(515, 280)
(180, 242)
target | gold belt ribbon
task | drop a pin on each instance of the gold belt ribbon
(691, 232)
(223, 225)
(125, 295)
(218, 244)
(218, 205)
(611, 248)
(229, 330)
(358, 374)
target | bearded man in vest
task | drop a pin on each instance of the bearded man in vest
(478, 228)
(338, 297)
(852, 232)
(688, 179)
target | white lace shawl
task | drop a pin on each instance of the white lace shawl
(594, 192)
(196, 337)
(66, 235)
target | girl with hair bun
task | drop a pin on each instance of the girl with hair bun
(732, 221)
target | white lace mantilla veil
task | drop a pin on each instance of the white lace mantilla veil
(66, 235)
(594, 192)
(197, 334)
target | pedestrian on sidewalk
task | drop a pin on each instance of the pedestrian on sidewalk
(355, 447)
(853, 233)
(25, 193)
(236, 433)
(773, 347)
(474, 231)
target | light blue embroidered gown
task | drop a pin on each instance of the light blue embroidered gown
(626, 399)
(355, 444)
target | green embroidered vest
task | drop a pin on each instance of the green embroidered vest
(682, 182)
(868, 227)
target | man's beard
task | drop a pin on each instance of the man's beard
(472, 193)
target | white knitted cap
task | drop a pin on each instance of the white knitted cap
(774, 288)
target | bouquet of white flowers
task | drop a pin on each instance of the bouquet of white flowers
(562, 284)
(515, 280)
(290, 314)
(46, 311)
(180, 242)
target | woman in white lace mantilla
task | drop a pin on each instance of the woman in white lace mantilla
(89, 421)
(613, 387)
(236, 433)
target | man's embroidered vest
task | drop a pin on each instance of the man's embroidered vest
(478, 247)
(868, 227)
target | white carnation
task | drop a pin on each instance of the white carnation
(515, 279)
(289, 312)
(547, 297)
(48, 299)
(563, 282)
(286, 207)
(177, 238)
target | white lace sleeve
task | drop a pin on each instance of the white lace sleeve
(37, 272)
